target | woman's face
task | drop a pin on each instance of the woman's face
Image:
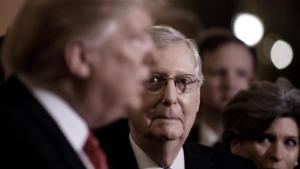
(276, 148)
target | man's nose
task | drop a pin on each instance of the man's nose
(170, 93)
(228, 82)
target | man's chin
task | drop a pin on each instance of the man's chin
(167, 135)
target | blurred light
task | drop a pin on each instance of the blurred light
(264, 48)
(281, 54)
(248, 28)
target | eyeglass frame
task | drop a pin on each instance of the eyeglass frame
(166, 80)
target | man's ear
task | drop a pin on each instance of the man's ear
(76, 60)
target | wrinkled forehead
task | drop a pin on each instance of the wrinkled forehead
(175, 59)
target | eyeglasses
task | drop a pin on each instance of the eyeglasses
(184, 83)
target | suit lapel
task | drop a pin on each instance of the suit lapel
(196, 159)
(121, 155)
(45, 130)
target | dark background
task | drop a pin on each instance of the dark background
(281, 20)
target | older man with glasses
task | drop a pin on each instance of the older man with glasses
(170, 103)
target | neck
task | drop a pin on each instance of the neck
(163, 152)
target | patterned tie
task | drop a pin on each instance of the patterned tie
(94, 152)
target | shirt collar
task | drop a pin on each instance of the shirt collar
(207, 135)
(145, 162)
(71, 124)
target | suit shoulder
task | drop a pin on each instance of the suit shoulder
(219, 158)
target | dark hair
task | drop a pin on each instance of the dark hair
(212, 39)
(252, 112)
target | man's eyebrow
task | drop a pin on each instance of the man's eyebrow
(158, 73)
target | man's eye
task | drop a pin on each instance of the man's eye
(242, 73)
(155, 83)
(184, 80)
(155, 80)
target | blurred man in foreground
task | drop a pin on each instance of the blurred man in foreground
(71, 66)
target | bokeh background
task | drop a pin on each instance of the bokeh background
(281, 20)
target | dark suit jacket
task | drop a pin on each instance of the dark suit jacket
(29, 136)
(121, 156)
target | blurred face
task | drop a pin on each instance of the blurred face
(276, 148)
(227, 70)
(122, 66)
(166, 114)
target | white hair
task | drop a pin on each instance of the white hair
(165, 36)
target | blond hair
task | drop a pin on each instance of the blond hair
(36, 42)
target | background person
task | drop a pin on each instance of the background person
(228, 67)
(262, 124)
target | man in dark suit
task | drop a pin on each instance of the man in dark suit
(171, 100)
(64, 61)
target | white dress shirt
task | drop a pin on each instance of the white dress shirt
(145, 162)
(73, 127)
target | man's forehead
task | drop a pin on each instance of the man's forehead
(174, 64)
(228, 59)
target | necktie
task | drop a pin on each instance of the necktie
(94, 152)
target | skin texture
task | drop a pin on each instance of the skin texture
(276, 148)
(162, 126)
